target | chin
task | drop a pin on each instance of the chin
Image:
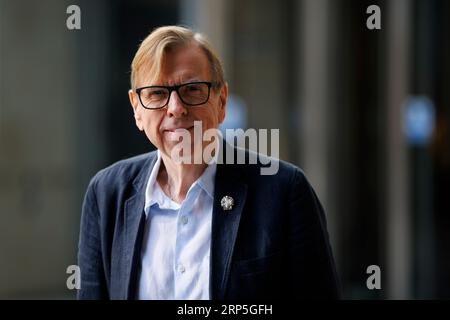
(175, 148)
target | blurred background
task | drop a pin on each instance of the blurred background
(365, 113)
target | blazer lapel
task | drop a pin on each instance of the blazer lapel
(225, 223)
(134, 228)
(228, 182)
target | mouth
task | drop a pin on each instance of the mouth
(179, 129)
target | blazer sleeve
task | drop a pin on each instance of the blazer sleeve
(312, 269)
(93, 282)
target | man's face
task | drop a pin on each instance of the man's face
(181, 65)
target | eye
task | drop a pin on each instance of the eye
(157, 92)
(193, 87)
(154, 93)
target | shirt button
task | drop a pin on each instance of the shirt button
(184, 220)
(181, 268)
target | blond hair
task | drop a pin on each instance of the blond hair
(150, 54)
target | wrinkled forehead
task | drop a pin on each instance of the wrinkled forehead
(176, 64)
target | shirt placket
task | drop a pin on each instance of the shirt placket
(185, 226)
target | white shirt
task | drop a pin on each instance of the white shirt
(175, 256)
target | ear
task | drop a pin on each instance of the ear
(223, 102)
(134, 101)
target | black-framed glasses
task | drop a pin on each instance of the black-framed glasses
(191, 94)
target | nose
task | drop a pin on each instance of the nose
(175, 107)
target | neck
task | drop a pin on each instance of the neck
(175, 179)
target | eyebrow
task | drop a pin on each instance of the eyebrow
(179, 83)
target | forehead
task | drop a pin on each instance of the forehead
(182, 64)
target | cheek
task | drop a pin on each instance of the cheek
(219, 115)
(209, 118)
(214, 114)
(151, 126)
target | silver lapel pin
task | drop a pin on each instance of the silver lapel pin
(227, 203)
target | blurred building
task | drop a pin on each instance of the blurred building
(337, 91)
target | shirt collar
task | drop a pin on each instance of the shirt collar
(206, 180)
(154, 193)
(150, 198)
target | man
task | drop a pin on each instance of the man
(156, 227)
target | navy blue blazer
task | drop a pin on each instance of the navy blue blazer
(272, 244)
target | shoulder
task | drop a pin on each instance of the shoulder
(270, 169)
(122, 172)
(268, 175)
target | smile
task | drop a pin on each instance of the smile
(178, 129)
